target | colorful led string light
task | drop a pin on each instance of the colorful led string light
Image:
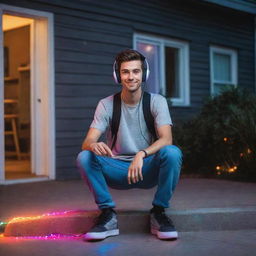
(52, 236)
(46, 237)
(18, 219)
(231, 168)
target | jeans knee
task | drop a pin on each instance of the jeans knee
(171, 152)
(83, 158)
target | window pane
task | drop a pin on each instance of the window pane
(151, 52)
(172, 72)
(219, 88)
(222, 67)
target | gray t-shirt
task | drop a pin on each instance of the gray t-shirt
(133, 134)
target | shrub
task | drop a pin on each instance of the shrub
(221, 140)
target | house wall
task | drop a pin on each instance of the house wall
(88, 34)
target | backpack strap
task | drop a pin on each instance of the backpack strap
(115, 117)
(149, 119)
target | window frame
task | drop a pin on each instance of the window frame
(234, 66)
(184, 75)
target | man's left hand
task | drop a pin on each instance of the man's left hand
(135, 168)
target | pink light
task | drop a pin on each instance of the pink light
(47, 237)
(50, 237)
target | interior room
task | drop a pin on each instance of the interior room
(17, 100)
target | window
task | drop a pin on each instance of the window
(169, 67)
(223, 69)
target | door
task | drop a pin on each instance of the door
(26, 95)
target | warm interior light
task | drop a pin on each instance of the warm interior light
(11, 22)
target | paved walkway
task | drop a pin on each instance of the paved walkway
(206, 195)
(213, 243)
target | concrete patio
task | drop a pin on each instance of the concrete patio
(216, 217)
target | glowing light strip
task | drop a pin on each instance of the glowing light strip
(18, 219)
(46, 237)
(52, 236)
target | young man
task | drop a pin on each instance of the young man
(132, 158)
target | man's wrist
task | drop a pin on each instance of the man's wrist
(145, 152)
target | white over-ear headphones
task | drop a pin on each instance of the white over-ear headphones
(145, 70)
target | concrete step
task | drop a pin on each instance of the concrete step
(80, 221)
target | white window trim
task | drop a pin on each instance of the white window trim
(42, 114)
(234, 65)
(184, 100)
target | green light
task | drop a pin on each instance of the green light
(2, 226)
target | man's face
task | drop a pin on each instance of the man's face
(131, 75)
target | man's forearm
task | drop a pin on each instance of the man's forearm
(157, 145)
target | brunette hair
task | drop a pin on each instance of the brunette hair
(128, 55)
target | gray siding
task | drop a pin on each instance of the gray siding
(88, 34)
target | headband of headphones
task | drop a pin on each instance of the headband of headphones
(145, 70)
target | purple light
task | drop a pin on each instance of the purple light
(49, 237)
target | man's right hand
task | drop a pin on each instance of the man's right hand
(101, 149)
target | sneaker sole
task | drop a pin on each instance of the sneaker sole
(165, 235)
(100, 235)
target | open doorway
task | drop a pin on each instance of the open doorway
(17, 84)
(27, 125)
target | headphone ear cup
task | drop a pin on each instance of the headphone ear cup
(146, 71)
(147, 74)
(116, 74)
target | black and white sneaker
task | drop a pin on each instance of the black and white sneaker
(106, 226)
(161, 224)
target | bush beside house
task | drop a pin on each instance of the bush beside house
(221, 140)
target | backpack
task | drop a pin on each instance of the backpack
(149, 119)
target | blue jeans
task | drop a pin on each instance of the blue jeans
(161, 169)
